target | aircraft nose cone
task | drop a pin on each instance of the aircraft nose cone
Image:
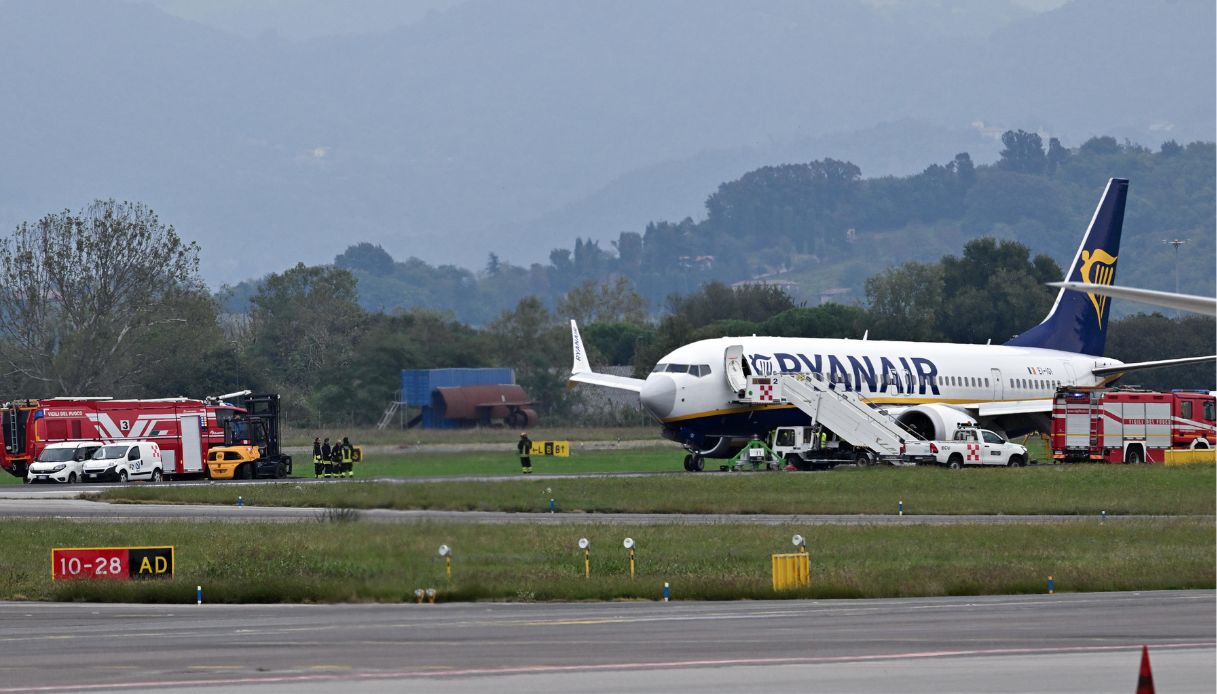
(658, 395)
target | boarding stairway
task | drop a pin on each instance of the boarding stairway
(841, 411)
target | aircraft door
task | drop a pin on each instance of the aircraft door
(733, 363)
(995, 374)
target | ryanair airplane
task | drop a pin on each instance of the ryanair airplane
(929, 387)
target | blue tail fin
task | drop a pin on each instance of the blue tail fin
(1078, 321)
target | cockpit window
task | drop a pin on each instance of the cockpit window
(678, 368)
(703, 370)
(659, 368)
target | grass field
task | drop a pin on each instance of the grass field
(356, 561)
(409, 437)
(1056, 489)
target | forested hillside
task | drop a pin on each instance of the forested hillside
(820, 229)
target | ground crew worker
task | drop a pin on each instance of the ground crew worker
(336, 460)
(348, 458)
(823, 439)
(317, 457)
(327, 466)
(524, 448)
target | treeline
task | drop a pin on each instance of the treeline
(820, 230)
(109, 301)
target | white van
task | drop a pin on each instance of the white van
(140, 460)
(61, 462)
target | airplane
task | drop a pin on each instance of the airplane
(1204, 305)
(929, 387)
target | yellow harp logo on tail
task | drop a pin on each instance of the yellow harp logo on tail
(1098, 268)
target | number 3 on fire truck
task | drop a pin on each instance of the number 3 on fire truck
(124, 424)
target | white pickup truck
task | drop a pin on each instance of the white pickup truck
(969, 446)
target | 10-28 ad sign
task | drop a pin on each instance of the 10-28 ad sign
(111, 563)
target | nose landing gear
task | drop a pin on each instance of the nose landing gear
(694, 462)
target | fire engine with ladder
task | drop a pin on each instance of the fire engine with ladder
(1129, 425)
(185, 429)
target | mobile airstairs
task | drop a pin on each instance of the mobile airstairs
(843, 412)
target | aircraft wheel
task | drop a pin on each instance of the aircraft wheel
(689, 463)
(697, 464)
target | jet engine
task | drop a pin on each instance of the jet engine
(933, 421)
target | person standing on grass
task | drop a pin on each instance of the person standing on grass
(317, 456)
(524, 448)
(326, 463)
(348, 458)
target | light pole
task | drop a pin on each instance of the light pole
(1176, 243)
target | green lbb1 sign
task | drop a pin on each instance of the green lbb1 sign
(111, 563)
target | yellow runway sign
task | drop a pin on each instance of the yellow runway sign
(558, 449)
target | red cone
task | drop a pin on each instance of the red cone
(1145, 683)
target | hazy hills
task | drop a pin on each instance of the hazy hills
(515, 127)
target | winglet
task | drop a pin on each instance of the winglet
(581, 364)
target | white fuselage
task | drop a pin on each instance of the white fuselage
(883, 372)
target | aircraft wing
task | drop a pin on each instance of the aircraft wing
(1184, 302)
(581, 370)
(1137, 366)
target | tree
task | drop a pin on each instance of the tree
(1057, 154)
(81, 292)
(1146, 337)
(905, 300)
(366, 257)
(611, 301)
(529, 340)
(1024, 152)
(303, 324)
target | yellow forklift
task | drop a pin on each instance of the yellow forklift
(251, 443)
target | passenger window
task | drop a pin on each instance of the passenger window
(1185, 409)
(986, 383)
(1208, 410)
(990, 437)
(133, 454)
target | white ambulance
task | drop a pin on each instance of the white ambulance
(140, 460)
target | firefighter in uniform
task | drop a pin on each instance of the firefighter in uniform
(348, 458)
(524, 448)
(317, 457)
(327, 466)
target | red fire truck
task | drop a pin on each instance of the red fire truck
(183, 428)
(1127, 425)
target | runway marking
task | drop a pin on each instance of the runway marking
(566, 622)
(604, 667)
(215, 667)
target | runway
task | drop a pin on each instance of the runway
(1061, 643)
(32, 506)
